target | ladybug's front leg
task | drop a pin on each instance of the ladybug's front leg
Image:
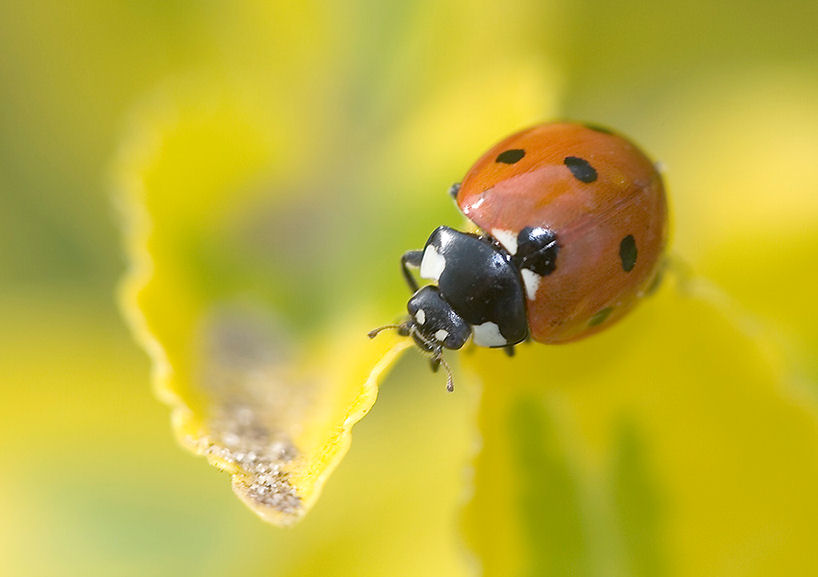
(412, 259)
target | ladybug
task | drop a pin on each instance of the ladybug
(573, 225)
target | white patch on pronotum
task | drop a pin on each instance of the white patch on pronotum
(420, 316)
(531, 280)
(433, 263)
(441, 335)
(507, 238)
(488, 335)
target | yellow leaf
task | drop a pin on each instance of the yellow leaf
(674, 443)
(269, 406)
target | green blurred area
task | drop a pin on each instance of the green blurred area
(92, 483)
(70, 73)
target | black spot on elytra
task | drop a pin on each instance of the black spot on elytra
(600, 317)
(454, 189)
(580, 168)
(627, 252)
(537, 250)
(510, 156)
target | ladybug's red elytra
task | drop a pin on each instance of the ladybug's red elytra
(574, 225)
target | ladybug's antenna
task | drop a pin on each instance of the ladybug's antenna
(449, 378)
(402, 329)
(406, 329)
(437, 355)
(436, 360)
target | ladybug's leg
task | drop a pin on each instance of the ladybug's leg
(435, 363)
(412, 259)
(673, 267)
(509, 350)
(454, 189)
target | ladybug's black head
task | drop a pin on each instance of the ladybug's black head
(434, 326)
(433, 323)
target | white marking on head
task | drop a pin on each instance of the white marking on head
(441, 335)
(507, 238)
(420, 316)
(488, 335)
(531, 280)
(433, 263)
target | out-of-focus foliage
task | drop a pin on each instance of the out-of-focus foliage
(681, 442)
(695, 458)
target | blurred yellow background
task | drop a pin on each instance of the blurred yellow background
(377, 108)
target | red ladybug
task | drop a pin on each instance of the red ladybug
(574, 224)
